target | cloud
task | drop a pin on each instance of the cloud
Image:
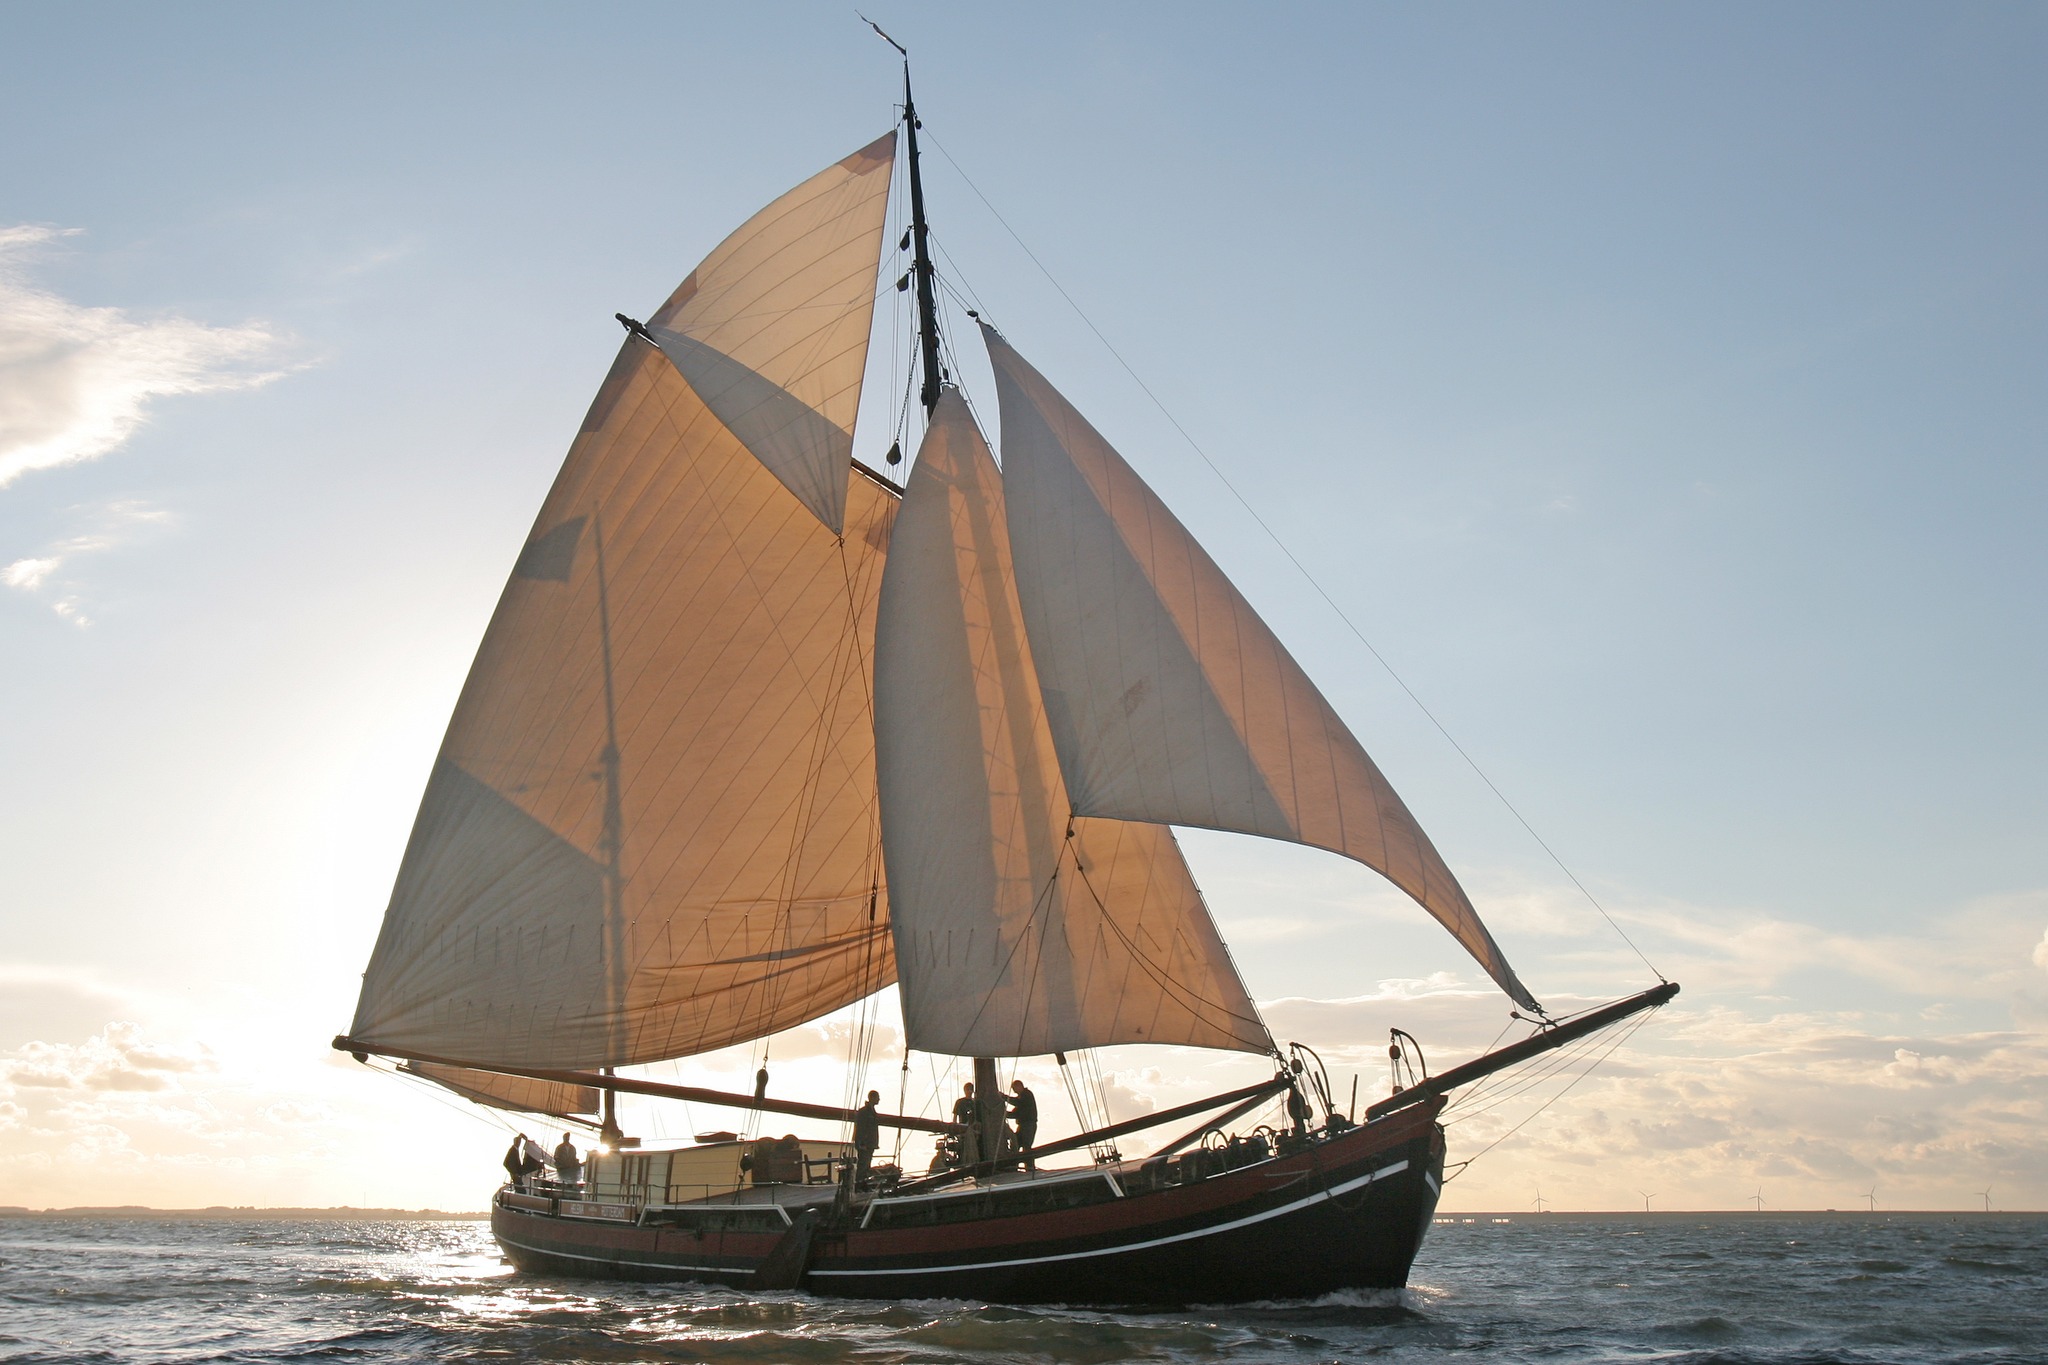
(2041, 952)
(110, 525)
(119, 1057)
(76, 382)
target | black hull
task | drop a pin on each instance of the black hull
(1349, 1213)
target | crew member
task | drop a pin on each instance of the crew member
(532, 1161)
(867, 1135)
(1024, 1110)
(515, 1162)
(568, 1163)
(967, 1114)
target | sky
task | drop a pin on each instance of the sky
(1659, 390)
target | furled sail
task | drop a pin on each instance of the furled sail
(516, 1093)
(772, 329)
(652, 829)
(1017, 931)
(1169, 699)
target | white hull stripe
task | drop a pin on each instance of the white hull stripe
(1381, 1174)
(620, 1260)
(1330, 1193)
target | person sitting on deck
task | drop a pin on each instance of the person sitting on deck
(867, 1135)
(515, 1162)
(568, 1162)
(1024, 1108)
(967, 1114)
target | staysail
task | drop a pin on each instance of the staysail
(1018, 931)
(652, 829)
(1168, 698)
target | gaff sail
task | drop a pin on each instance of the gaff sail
(651, 829)
(1169, 699)
(1019, 931)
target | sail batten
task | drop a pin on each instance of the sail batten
(1019, 931)
(711, 667)
(1168, 698)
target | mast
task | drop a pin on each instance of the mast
(987, 1093)
(613, 836)
(921, 259)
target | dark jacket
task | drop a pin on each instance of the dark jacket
(867, 1127)
(566, 1160)
(1023, 1108)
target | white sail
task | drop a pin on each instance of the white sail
(1169, 699)
(772, 329)
(651, 830)
(1017, 933)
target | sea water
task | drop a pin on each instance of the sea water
(1553, 1288)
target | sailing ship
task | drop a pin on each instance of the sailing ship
(758, 732)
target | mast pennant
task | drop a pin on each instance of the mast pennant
(1019, 931)
(1169, 699)
(651, 830)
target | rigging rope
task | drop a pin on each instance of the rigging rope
(1300, 568)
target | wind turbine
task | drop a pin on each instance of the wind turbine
(1987, 1199)
(1872, 1197)
(1647, 1197)
(1758, 1199)
(1541, 1201)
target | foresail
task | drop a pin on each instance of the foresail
(516, 1093)
(1169, 699)
(1017, 933)
(772, 329)
(651, 829)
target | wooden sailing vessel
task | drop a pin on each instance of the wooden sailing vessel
(756, 733)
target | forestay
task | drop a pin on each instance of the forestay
(1169, 699)
(1017, 931)
(651, 829)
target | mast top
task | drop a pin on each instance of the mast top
(920, 236)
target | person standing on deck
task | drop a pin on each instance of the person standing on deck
(968, 1115)
(867, 1135)
(568, 1162)
(1024, 1109)
(515, 1162)
(532, 1161)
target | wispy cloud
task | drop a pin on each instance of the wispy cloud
(76, 381)
(108, 525)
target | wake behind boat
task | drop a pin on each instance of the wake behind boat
(756, 733)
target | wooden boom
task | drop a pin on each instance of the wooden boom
(631, 1086)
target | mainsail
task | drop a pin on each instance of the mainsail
(652, 829)
(1019, 931)
(1169, 699)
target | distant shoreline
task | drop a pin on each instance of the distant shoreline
(222, 1211)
